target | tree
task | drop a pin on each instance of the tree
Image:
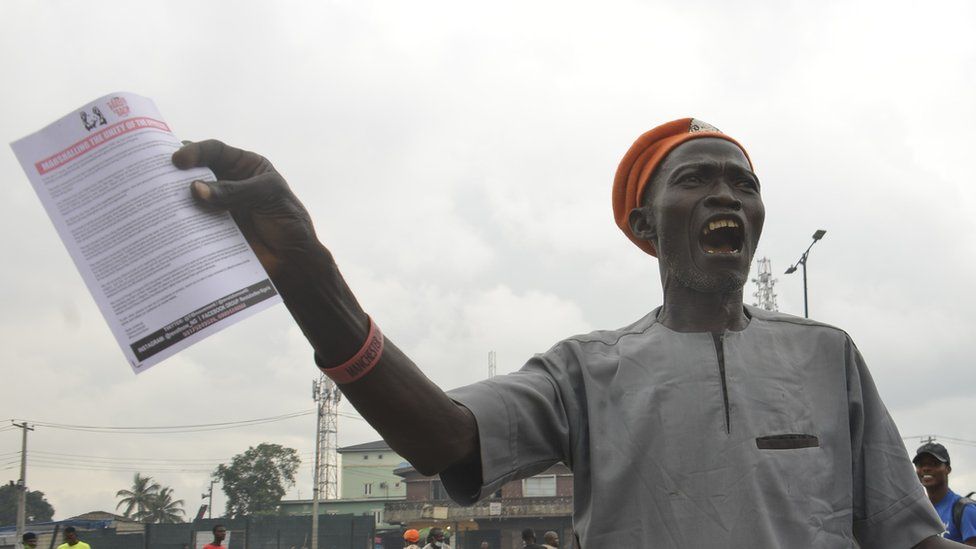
(163, 509)
(38, 509)
(139, 497)
(256, 480)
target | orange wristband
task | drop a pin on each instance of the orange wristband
(362, 362)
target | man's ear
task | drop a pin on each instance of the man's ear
(643, 224)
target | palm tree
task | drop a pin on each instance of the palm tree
(139, 497)
(163, 509)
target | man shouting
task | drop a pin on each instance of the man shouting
(706, 423)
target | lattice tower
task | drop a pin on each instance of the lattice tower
(765, 294)
(326, 475)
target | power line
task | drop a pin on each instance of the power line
(87, 462)
(85, 458)
(130, 465)
(959, 440)
(118, 470)
(109, 460)
(188, 461)
(175, 429)
(942, 437)
(171, 429)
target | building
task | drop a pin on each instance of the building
(542, 502)
(367, 472)
(366, 481)
(376, 481)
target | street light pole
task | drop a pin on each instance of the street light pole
(803, 262)
(806, 308)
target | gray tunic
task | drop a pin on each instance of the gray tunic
(788, 445)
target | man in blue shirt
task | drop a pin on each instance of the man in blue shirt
(932, 465)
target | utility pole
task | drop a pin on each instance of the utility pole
(22, 483)
(491, 364)
(325, 477)
(209, 497)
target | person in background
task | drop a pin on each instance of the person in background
(219, 533)
(528, 539)
(411, 537)
(71, 540)
(435, 540)
(30, 539)
(550, 540)
(957, 513)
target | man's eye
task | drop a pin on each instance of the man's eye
(747, 183)
(690, 180)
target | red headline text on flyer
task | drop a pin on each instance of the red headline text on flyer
(96, 139)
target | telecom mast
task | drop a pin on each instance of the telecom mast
(491, 364)
(765, 294)
(325, 478)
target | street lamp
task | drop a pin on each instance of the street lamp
(803, 261)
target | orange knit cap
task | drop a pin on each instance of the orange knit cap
(411, 536)
(644, 156)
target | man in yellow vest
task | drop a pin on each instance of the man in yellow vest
(71, 540)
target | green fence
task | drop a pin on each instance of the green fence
(259, 532)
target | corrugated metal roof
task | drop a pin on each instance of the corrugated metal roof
(366, 447)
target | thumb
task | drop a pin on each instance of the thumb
(233, 195)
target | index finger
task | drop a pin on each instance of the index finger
(225, 161)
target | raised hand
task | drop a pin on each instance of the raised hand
(274, 222)
(279, 229)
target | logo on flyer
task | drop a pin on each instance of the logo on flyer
(119, 106)
(93, 119)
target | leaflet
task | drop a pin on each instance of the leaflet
(165, 272)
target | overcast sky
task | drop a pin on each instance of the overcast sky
(457, 159)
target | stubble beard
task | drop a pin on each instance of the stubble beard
(690, 276)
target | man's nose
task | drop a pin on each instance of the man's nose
(723, 198)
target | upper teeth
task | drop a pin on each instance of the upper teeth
(712, 225)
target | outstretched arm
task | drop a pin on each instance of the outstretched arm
(280, 231)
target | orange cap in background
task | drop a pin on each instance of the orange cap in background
(644, 156)
(411, 535)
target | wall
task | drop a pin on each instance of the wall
(375, 469)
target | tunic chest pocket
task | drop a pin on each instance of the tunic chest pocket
(787, 442)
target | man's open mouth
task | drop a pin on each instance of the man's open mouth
(723, 235)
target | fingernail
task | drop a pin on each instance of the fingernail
(202, 189)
